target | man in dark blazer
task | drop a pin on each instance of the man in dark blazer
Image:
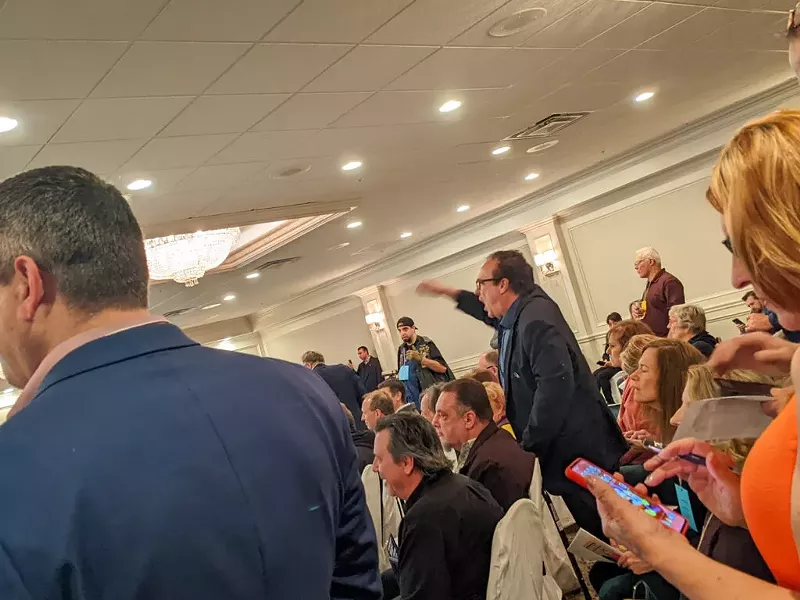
(552, 399)
(486, 453)
(344, 382)
(369, 370)
(137, 463)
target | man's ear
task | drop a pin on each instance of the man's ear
(407, 464)
(29, 286)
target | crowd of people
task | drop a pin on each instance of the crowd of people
(139, 464)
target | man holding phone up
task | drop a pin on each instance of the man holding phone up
(552, 399)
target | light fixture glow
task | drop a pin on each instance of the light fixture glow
(354, 224)
(531, 176)
(227, 344)
(210, 306)
(405, 235)
(252, 275)
(7, 124)
(463, 208)
(644, 96)
(501, 150)
(139, 184)
(450, 106)
(229, 297)
(352, 165)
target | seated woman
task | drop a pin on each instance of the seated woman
(687, 323)
(498, 401)
(617, 339)
(630, 418)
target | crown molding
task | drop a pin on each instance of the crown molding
(674, 154)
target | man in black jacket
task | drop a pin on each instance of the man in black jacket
(552, 399)
(342, 380)
(369, 369)
(445, 544)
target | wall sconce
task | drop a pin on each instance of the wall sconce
(547, 262)
(375, 320)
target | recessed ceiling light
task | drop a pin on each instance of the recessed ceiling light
(352, 165)
(517, 22)
(254, 275)
(541, 147)
(353, 224)
(463, 208)
(450, 106)
(501, 150)
(7, 124)
(644, 96)
(531, 176)
(229, 297)
(405, 235)
(210, 306)
(139, 184)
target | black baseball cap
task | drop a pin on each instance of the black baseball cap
(405, 322)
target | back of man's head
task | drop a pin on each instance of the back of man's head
(394, 387)
(380, 400)
(78, 229)
(511, 265)
(470, 395)
(482, 375)
(312, 358)
(411, 436)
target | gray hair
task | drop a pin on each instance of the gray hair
(312, 357)
(648, 253)
(689, 317)
(79, 229)
(410, 435)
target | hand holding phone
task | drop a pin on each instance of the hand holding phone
(581, 469)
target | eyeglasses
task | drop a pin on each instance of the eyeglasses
(792, 24)
(479, 282)
(727, 243)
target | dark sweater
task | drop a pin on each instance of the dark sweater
(446, 539)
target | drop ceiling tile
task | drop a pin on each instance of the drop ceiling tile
(85, 20)
(178, 152)
(754, 31)
(311, 111)
(640, 68)
(168, 69)
(37, 120)
(268, 146)
(478, 35)
(278, 68)
(215, 21)
(698, 26)
(224, 114)
(645, 24)
(120, 118)
(14, 158)
(369, 68)
(220, 176)
(97, 157)
(164, 180)
(343, 21)
(464, 68)
(434, 21)
(778, 6)
(362, 141)
(44, 70)
(389, 108)
(174, 206)
(587, 22)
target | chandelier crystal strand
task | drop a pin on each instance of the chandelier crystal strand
(186, 257)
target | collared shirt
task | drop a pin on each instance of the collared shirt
(505, 330)
(661, 294)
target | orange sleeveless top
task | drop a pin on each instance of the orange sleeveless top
(767, 496)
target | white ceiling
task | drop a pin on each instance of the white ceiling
(210, 98)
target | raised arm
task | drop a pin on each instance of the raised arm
(465, 301)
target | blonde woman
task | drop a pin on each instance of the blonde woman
(498, 401)
(755, 187)
(631, 419)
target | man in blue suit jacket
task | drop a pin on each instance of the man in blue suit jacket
(344, 382)
(138, 464)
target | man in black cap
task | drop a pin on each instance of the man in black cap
(419, 362)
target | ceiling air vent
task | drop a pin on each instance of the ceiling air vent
(178, 312)
(548, 126)
(272, 264)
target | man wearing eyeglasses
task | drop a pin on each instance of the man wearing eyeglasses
(552, 399)
(663, 291)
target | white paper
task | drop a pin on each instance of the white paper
(590, 548)
(722, 419)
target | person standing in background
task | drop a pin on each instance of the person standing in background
(420, 364)
(369, 370)
(663, 291)
(344, 382)
(137, 463)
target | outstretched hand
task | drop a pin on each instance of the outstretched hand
(431, 287)
(755, 352)
(715, 484)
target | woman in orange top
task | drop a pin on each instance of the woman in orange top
(756, 188)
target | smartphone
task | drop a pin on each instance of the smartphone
(738, 322)
(581, 468)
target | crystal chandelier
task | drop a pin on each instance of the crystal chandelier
(186, 257)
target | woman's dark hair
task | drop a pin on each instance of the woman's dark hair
(614, 317)
(512, 265)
